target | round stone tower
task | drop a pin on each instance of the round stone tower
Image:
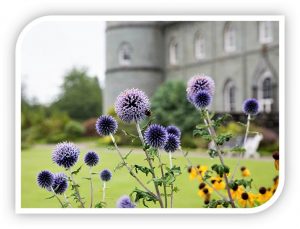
(134, 58)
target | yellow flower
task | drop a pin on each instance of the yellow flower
(207, 199)
(236, 191)
(246, 199)
(276, 160)
(275, 185)
(276, 181)
(264, 195)
(204, 190)
(245, 172)
(218, 183)
(193, 173)
(276, 164)
(201, 171)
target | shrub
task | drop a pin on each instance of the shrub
(170, 106)
(89, 127)
(57, 137)
(74, 129)
(81, 95)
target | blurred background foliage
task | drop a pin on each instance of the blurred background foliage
(72, 116)
(68, 117)
(80, 97)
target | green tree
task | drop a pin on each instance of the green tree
(170, 106)
(81, 96)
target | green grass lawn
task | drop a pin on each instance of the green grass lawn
(38, 158)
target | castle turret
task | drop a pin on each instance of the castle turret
(134, 58)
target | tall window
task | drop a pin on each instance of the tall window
(229, 96)
(265, 92)
(267, 88)
(125, 54)
(199, 46)
(229, 38)
(173, 53)
(265, 32)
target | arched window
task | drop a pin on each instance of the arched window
(229, 96)
(265, 32)
(267, 88)
(173, 53)
(199, 46)
(125, 54)
(265, 92)
(229, 38)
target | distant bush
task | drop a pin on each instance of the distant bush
(170, 106)
(89, 127)
(81, 95)
(232, 127)
(74, 129)
(56, 138)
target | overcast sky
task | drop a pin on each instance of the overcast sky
(50, 49)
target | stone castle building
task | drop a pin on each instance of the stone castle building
(242, 58)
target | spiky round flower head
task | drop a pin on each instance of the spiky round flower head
(125, 202)
(106, 125)
(132, 105)
(199, 83)
(251, 106)
(156, 136)
(174, 130)
(172, 143)
(65, 154)
(91, 159)
(202, 99)
(60, 184)
(105, 175)
(45, 179)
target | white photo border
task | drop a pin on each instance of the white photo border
(65, 18)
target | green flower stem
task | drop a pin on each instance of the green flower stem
(244, 143)
(172, 196)
(138, 128)
(67, 201)
(212, 132)
(57, 197)
(103, 191)
(163, 177)
(207, 183)
(92, 192)
(151, 165)
(76, 189)
(172, 186)
(170, 159)
(129, 169)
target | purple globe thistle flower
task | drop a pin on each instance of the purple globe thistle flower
(199, 83)
(156, 136)
(45, 179)
(172, 144)
(91, 159)
(106, 125)
(125, 202)
(65, 154)
(174, 130)
(132, 105)
(202, 99)
(251, 106)
(105, 175)
(60, 184)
